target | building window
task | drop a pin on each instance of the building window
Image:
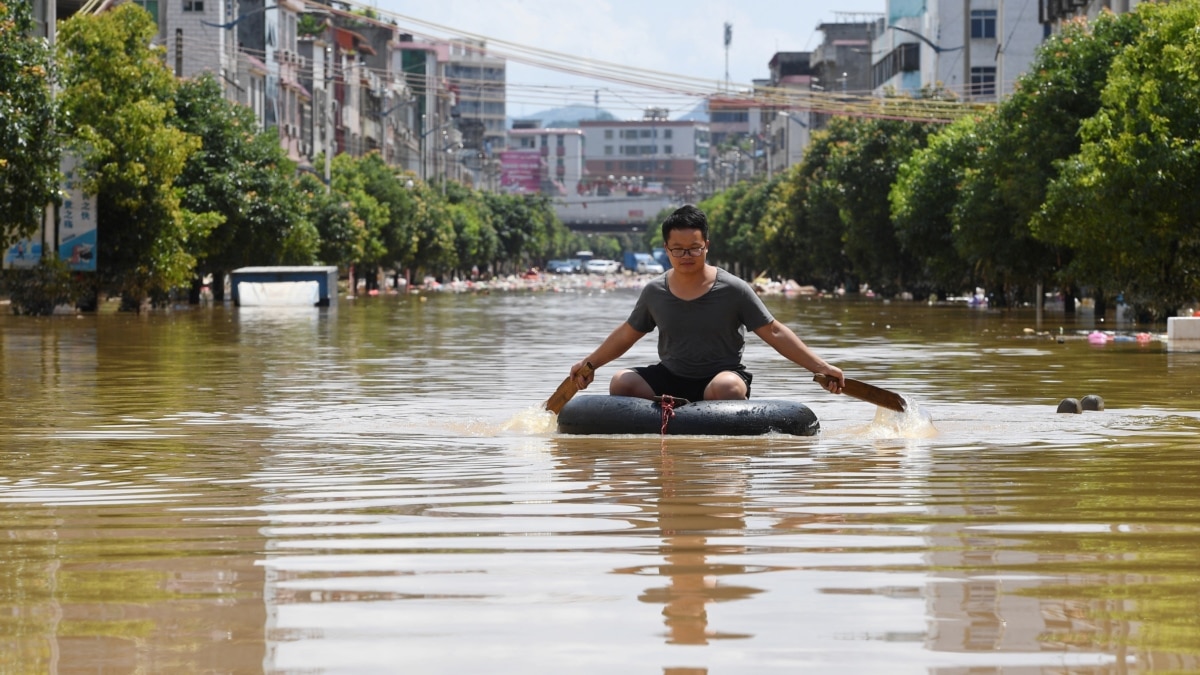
(608, 150)
(731, 116)
(983, 23)
(905, 58)
(608, 134)
(150, 6)
(983, 81)
(666, 133)
(193, 5)
(668, 149)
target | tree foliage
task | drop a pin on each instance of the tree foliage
(1126, 201)
(864, 171)
(117, 105)
(243, 176)
(29, 146)
(922, 202)
(736, 224)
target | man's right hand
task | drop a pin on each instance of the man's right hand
(583, 373)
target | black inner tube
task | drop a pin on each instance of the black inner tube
(629, 415)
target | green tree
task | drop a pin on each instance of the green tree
(342, 233)
(350, 183)
(29, 147)
(860, 176)
(1019, 151)
(1126, 201)
(525, 225)
(245, 177)
(435, 249)
(475, 239)
(117, 106)
(736, 224)
(393, 230)
(802, 228)
(923, 198)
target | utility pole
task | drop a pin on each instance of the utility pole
(967, 50)
(729, 39)
(330, 144)
(1000, 47)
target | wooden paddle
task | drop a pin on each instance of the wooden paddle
(869, 393)
(567, 389)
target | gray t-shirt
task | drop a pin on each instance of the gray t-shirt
(700, 338)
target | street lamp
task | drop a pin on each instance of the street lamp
(424, 148)
(384, 118)
(787, 135)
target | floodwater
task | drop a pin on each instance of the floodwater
(373, 488)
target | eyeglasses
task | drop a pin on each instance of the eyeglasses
(694, 251)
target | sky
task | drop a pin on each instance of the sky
(658, 53)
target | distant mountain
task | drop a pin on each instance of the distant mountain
(697, 114)
(566, 117)
(569, 117)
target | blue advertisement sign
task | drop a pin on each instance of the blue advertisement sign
(76, 222)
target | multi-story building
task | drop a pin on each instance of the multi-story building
(661, 154)
(974, 49)
(841, 64)
(315, 45)
(269, 66)
(200, 37)
(430, 147)
(549, 161)
(786, 121)
(805, 89)
(479, 81)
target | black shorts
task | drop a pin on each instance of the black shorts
(664, 382)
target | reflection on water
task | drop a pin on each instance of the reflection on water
(375, 487)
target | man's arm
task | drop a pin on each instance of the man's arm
(617, 343)
(787, 343)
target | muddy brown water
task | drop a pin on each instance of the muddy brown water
(372, 488)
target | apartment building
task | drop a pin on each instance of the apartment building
(547, 161)
(804, 88)
(786, 121)
(660, 154)
(974, 49)
(479, 83)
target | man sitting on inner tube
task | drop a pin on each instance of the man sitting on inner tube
(701, 313)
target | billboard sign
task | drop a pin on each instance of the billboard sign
(24, 254)
(520, 172)
(76, 221)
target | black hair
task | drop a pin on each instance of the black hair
(686, 217)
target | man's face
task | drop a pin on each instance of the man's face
(686, 243)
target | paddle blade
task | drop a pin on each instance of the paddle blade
(869, 393)
(566, 390)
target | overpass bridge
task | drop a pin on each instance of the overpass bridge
(612, 214)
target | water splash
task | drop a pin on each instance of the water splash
(533, 420)
(914, 422)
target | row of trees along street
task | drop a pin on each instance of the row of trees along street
(1081, 180)
(187, 186)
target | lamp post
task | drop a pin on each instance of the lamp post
(443, 147)
(787, 135)
(384, 118)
